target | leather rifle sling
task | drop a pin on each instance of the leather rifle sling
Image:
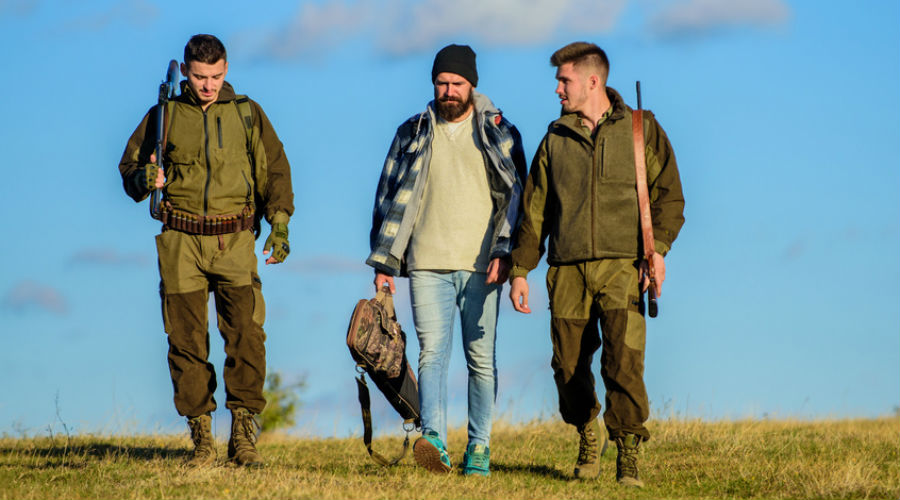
(640, 170)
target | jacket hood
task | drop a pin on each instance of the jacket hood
(483, 104)
(226, 94)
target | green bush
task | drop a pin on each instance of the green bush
(282, 402)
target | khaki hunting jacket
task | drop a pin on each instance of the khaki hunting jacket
(214, 164)
(581, 192)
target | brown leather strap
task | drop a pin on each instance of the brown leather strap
(640, 170)
(364, 404)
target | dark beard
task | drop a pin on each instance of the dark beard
(450, 109)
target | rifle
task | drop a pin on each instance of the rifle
(166, 92)
(640, 168)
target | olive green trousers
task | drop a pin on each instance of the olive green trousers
(190, 267)
(582, 295)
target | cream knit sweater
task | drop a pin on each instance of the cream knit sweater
(453, 227)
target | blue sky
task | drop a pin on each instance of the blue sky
(782, 298)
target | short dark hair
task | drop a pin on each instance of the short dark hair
(204, 48)
(582, 54)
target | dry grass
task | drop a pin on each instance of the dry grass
(685, 459)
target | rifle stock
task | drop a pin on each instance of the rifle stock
(166, 92)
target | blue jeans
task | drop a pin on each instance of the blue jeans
(435, 297)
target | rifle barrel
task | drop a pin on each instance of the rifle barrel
(637, 87)
(166, 92)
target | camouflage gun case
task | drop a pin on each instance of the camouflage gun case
(377, 344)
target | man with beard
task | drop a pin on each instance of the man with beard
(445, 211)
(580, 195)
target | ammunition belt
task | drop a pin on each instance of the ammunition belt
(186, 222)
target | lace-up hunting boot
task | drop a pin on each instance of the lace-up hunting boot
(626, 461)
(204, 452)
(588, 464)
(242, 445)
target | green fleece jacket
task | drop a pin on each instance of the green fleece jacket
(581, 192)
(210, 168)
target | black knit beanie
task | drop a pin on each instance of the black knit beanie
(459, 59)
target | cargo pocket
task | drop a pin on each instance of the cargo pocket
(167, 248)
(635, 330)
(185, 181)
(259, 305)
(552, 271)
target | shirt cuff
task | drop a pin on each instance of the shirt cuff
(517, 272)
(280, 218)
(660, 247)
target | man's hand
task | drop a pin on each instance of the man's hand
(659, 268)
(154, 177)
(497, 271)
(518, 294)
(277, 241)
(381, 279)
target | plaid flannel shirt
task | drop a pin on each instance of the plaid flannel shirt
(403, 181)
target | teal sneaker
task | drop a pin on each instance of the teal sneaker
(477, 460)
(431, 454)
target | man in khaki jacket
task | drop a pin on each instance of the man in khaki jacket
(225, 169)
(580, 194)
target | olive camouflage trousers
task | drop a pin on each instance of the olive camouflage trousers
(190, 267)
(582, 295)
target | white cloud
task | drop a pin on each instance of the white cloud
(690, 17)
(17, 7)
(138, 13)
(326, 264)
(27, 295)
(107, 257)
(318, 26)
(400, 27)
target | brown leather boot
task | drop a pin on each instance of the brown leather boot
(204, 452)
(588, 464)
(626, 461)
(242, 445)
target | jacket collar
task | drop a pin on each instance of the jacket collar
(226, 94)
(573, 122)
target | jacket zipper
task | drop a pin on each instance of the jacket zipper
(249, 188)
(219, 129)
(595, 171)
(602, 157)
(208, 167)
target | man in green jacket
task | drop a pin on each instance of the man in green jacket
(580, 194)
(225, 169)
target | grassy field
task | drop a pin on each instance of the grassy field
(685, 459)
